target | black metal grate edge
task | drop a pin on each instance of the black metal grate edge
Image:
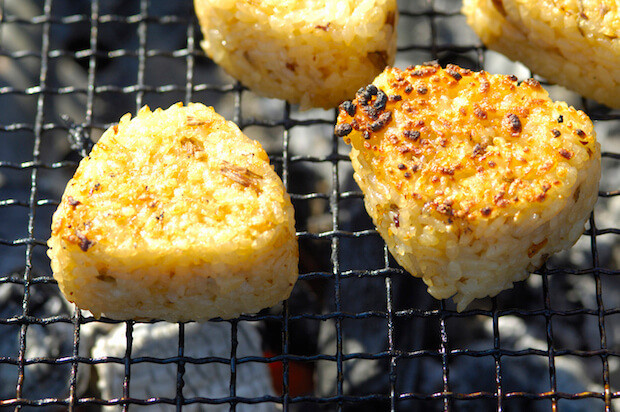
(26, 245)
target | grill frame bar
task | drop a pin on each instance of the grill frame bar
(334, 197)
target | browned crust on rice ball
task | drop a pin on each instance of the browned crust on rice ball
(472, 179)
(174, 215)
(313, 53)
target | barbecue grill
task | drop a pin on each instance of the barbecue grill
(357, 322)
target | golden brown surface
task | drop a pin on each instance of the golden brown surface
(454, 163)
(475, 136)
(177, 215)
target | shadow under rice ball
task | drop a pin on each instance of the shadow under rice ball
(472, 179)
(174, 215)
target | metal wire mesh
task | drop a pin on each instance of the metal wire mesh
(40, 130)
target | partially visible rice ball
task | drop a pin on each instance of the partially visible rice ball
(574, 43)
(314, 53)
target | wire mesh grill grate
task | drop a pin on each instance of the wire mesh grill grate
(70, 50)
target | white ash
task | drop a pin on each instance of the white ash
(209, 380)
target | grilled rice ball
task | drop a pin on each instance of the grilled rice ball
(175, 215)
(575, 43)
(472, 179)
(315, 53)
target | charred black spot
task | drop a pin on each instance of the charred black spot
(380, 101)
(457, 76)
(362, 96)
(349, 107)
(383, 120)
(412, 134)
(342, 129)
(372, 90)
(514, 123)
(370, 111)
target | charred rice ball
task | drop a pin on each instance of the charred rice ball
(575, 43)
(315, 53)
(472, 179)
(175, 215)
